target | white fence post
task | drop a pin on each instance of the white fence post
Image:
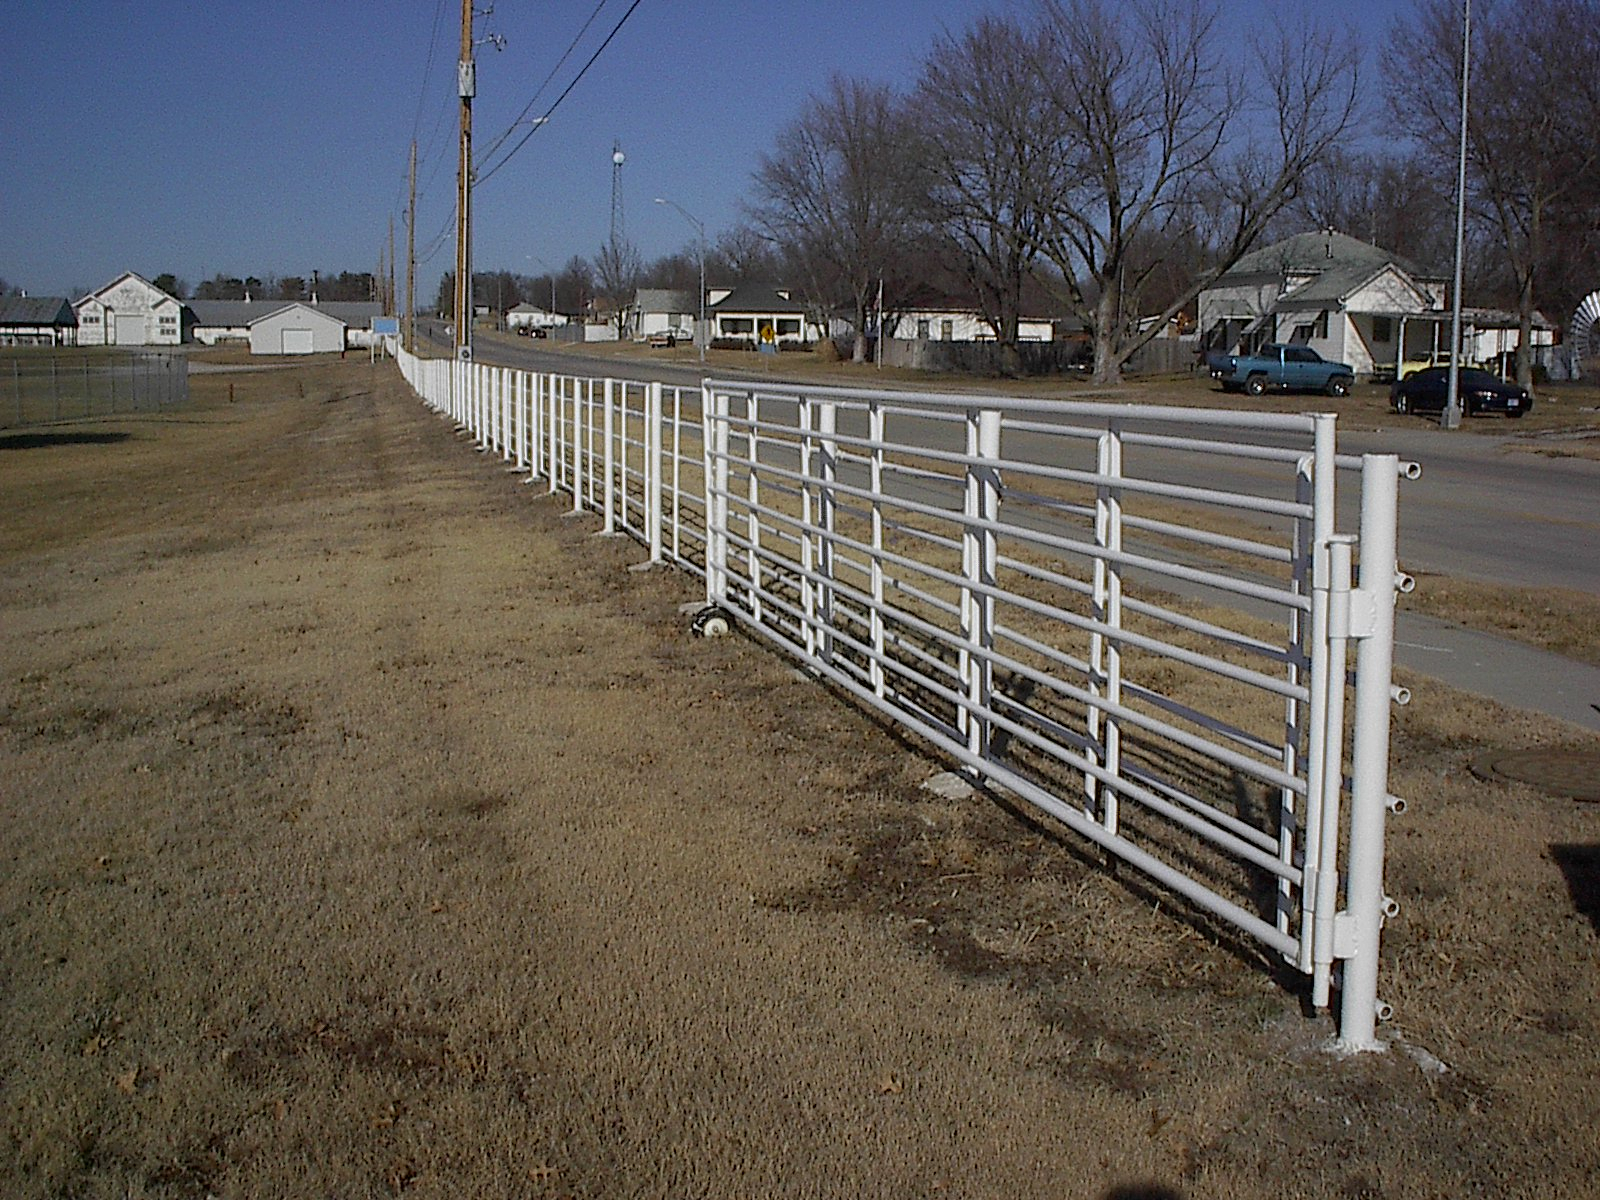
(1373, 617)
(875, 432)
(609, 433)
(714, 440)
(652, 503)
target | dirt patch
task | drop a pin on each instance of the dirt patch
(371, 830)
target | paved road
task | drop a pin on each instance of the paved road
(1485, 508)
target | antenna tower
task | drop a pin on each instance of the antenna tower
(617, 159)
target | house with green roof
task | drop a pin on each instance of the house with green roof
(1348, 300)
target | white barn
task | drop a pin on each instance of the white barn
(297, 329)
(129, 311)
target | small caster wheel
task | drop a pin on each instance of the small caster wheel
(711, 622)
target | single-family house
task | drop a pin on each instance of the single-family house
(129, 311)
(297, 328)
(37, 321)
(760, 313)
(926, 315)
(1348, 300)
(531, 316)
(663, 310)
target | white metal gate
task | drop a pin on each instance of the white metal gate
(1136, 619)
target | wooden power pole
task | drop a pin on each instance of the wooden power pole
(468, 87)
(411, 257)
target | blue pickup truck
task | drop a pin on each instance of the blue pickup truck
(1287, 368)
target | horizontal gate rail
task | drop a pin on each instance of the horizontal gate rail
(1136, 619)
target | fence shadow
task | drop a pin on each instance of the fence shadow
(1581, 865)
(39, 441)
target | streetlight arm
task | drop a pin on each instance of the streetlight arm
(700, 229)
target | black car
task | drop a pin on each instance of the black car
(1425, 391)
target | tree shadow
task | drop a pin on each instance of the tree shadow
(39, 441)
(1143, 1191)
(1581, 865)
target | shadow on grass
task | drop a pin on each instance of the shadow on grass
(1581, 865)
(38, 441)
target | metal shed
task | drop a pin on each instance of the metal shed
(297, 329)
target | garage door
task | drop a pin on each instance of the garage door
(297, 341)
(130, 329)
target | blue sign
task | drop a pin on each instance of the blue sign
(386, 325)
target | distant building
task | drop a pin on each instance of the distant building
(760, 313)
(217, 321)
(297, 328)
(37, 321)
(531, 316)
(129, 311)
(1348, 300)
(928, 315)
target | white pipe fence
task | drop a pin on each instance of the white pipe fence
(1136, 619)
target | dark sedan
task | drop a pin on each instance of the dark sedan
(1426, 391)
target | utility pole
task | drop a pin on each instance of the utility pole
(390, 310)
(1450, 417)
(411, 258)
(466, 74)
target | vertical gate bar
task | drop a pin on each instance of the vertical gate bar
(677, 474)
(875, 435)
(752, 495)
(1325, 747)
(608, 435)
(518, 388)
(981, 544)
(653, 469)
(1105, 651)
(827, 513)
(969, 566)
(1369, 766)
(553, 432)
(805, 424)
(580, 388)
(1335, 586)
(1294, 712)
(714, 405)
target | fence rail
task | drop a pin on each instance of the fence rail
(1138, 620)
(37, 388)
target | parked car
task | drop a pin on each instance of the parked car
(669, 337)
(1427, 390)
(1279, 366)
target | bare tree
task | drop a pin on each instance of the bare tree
(991, 171)
(836, 194)
(1533, 124)
(618, 268)
(1171, 125)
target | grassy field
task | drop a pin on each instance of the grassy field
(371, 830)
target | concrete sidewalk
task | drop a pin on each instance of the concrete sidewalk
(1508, 672)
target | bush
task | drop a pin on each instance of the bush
(733, 343)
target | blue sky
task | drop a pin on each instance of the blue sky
(272, 136)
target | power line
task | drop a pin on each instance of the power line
(617, 28)
(497, 142)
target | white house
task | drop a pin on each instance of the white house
(37, 321)
(1348, 300)
(129, 311)
(297, 329)
(931, 317)
(760, 313)
(531, 316)
(658, 310)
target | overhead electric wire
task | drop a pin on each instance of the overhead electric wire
(498, 141)
(481, 178)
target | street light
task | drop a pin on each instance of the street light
(1450, 418)
(701, 331)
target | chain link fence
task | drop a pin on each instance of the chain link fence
(37, 389)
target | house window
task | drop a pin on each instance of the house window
(1320, 327)
(1383, 329)
(738, 325)
(947, 329)
(169, 320)
(90, 319)
(789, 325)
(922, 328)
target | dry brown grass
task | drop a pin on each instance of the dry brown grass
(370, 831)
